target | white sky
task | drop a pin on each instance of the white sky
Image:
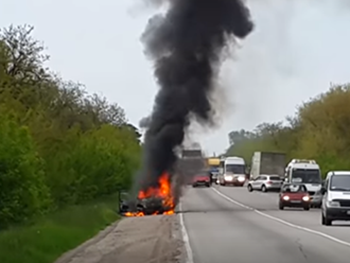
(297, 49)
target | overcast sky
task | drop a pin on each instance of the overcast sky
(298, 48)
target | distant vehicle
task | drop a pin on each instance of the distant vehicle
(190, 161)
(233, 172)
(265, 183)
(336, 197)
(294, 195)
(316, 199)
(268, 163)
(213, 164)
(201, 179)
(307, 172)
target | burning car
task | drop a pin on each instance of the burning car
(294, 195)
(153, 201)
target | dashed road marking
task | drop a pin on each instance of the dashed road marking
(329, 237)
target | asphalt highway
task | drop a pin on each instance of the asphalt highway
(229, 224)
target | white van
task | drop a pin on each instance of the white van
(336, 197)
(234, 171)
(307, 172)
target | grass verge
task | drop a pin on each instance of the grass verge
(51, 236)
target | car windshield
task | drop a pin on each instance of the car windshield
(340, 182)
(235, 168)
(294, 188)
(307, 176)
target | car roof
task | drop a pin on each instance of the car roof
(287, 184)
(338, 173)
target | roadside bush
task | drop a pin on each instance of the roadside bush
(318, 131)
(100, 163)
(59, 145)
(22, 182)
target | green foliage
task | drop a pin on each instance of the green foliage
(59, 145)
(318, 131)
(23, 190)
(50, 236)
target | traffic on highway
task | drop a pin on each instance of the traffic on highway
(299, 183)
(227, 209)
(281, 213)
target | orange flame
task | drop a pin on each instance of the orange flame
(163, 191)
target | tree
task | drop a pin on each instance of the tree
(318, 131)
(60, 145)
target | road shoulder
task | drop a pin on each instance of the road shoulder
(137, 239)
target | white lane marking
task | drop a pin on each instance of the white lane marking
(332, 238)
(185, 238)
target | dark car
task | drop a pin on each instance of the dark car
(294, 195)
(202, 179)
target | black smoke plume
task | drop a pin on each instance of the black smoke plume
(145, 122)
(185, 45)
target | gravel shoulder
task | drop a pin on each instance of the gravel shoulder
(149, 239)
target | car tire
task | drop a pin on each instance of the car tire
(306, 208)
(326, 221)
(280, 206)
(264, 189)
(207, 185)
(250, 188)
(194, 186)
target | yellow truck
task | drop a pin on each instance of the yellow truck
(213, 162)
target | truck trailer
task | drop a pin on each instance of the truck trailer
(270, 163)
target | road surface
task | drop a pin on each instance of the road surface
(229, 224)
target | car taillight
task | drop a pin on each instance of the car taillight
(268, 182)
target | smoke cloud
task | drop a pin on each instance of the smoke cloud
(145, 122)
(186, 45)
(296, 50)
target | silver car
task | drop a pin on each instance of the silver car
(265, 183)
(316, 199)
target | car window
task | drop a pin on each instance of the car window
(294, 188)
(263, 178)
(275, 178)
(326, 183)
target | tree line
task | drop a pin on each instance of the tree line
(319, 130)
(58, 144)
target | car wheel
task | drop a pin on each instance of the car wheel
(250, 188)
(281, 207)
(306, 208)
(326, 221)
(264, 189)
(207, 185)
(323, 221)
(194, 186)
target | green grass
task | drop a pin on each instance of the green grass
(51, 236)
